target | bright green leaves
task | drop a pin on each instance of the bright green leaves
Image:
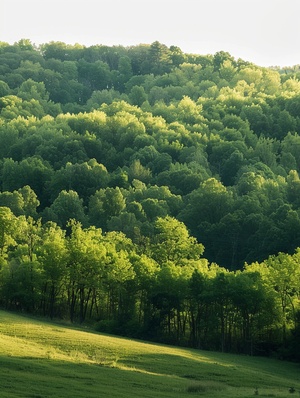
(7, 231)
(281, 276)
(173, 243)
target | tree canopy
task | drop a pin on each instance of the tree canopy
(153, 190)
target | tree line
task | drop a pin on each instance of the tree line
(162, 289)
(108, 151)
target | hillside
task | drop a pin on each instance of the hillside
(219, 135)
(152, 193)
(50, 360)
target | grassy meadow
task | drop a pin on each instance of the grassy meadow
(42, 359)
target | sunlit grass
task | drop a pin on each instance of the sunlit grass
(43, 359)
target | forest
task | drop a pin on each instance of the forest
(152, 193)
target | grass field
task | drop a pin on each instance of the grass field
(42, 359)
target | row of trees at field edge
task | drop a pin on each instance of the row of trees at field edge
(161, 289)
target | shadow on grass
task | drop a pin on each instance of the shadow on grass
(30, 377)
(145, 375)
(219, 371)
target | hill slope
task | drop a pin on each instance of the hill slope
(41, 359)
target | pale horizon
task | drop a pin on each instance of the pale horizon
(264, 32)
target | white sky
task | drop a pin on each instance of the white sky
(266, 32)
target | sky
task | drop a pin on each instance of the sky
(265, 32)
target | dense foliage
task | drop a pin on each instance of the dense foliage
(154, 191)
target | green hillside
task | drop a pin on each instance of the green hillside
(152, 194)
(43, 360)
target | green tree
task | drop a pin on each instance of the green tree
(25, 266)
(284, 275)
(86, 258)
(31, 89)
(68, 205)
(30, 201)
(52, 255)
(118, 277)
(125, 72)
(255, 306)
(13, 200)
(209, 203)
(104, 204)
(4, 89)
(82, 178)
(8, 229)
(137, 95)
(32, 171)
(159, 58)
(173, 242)
(280, 273)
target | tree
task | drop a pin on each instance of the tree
(255, 307)
(52, 255)
(154, 208)
(227, 69)
(86, 258)
(137, 95)
(96, 75)
(27, 269)
(100, 97)
(293, 188)
(280, 273)
(222, 57)
(80, 177)
(127, 223)
(176, 55)
(117, 277)
(167, 298)
(209, 203)
(137, 171)
(190, 112)
(13, 200)
(68, 205)
(146, 270)
(198, 286)
(4, 89)
(31, 89)
(284, 275)
(173, 242)
(125, 72)
(220, 297)
(104, 204)
(159, 58)
(30, 201)
(32, 171)
(8, 230)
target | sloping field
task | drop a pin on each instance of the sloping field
(41, 359)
